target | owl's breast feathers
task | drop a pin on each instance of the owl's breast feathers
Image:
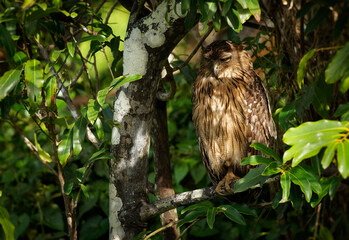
(230, 114)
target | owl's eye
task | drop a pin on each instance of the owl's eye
(227, 59)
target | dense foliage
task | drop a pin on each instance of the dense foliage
(61, 59)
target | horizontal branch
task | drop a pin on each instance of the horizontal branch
(186, 198)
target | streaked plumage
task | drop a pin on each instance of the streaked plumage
(230, 111)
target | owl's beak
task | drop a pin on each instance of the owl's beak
(215, 65)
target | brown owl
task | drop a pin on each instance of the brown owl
(230, 111)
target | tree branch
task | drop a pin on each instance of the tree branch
(186, 198)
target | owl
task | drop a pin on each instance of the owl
(230, 112)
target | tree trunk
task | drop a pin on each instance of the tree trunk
(148, 43)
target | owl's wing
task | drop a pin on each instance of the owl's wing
(259, 121)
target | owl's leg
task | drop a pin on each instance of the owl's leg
(226, 181)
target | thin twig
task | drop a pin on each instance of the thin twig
(110, 11)
(187, 228)
(31, 146)
(103, 50)
(195, 50)
(163, 228)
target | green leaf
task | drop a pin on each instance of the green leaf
(191, 16)
(252, 178)
(299, 178)
(7, 226)
(84, 190)
(64, 148)
(185, 6)
(68, 187)
(266, 151)
(272, 168)
(102, 94)
(233, 20)
(71, 48)
(211, 216)
(245, 209)
(198, 172)
(344, 85)
(253, 6)
(9, 80)
(180, 171)
(338, 65)
(100, 38)
(6, 41)
(226, 7)
(313, 179)
(342, 108)
(119, 81)
(325, 233)
(92, 110)
(42, 153)
(308, 139)
(20, 58)
(329, 154)
(99, 128)
(202, 205)
(233, 214)
(50, 89)
(34, 78)
(244, 14)
(343, 157)
(191, 217)
(211, 9)
(302, 66)
(255, 160)
(285, 183)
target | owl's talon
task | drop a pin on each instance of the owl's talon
(226, 182)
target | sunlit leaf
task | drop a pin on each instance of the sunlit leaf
(50, 89)
(119, 81)
(20, 58)
(343, 157)
(65, 147)
(285, 183)
(71, 48)
(272, 168)
(302, 66)
(100, 38)
(9, 80)
(7, 226)
(102, 94)
(338, 65)
(266, 150)
(84, 190)
(233, 20)
(42, 153)
(329, 154)
(299, 178)
(79, 131)
(34, 78)
(255, 160)
(92, 110)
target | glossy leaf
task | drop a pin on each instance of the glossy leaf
(211, 216)
(233, 20)
(100, 38)
(252, 178)
(68, 187)
(191, 216)
(344, 85)
(233, 214)
(119, 81)
(299, 178)
(202, 205)
(266, 150)
(302, 66)
(255, 160)
(79, 131)
(20, 58)
(329, 154)
(50, 89)
(244, 14)
(42, 153)
(84, 190)
(34, 78)
(343, 157)
(226, 7)
(309, 138)
(65, 147)
(102, 94)
(92, 110)
(272, 168)
(9, 80)
(285, 183)
(338, 66)
(5, 222)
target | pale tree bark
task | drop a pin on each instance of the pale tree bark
(149, 41)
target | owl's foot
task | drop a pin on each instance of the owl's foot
(225, 183)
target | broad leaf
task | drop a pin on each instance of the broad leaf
(285, 183)
(102, 94)
(191, 216)
(266, 150)
(243, 208)
(211, 216)
(299, 178)
(9, 80)
(42, 153)
(272, 168)
(65, 147)
(252, 178)
(255, 160)
(338, 66)
(34, 78)
(233, 214)
(202, 205)
(343, 157)
(302, 66)
(119, 81)
(233, 20)
(84, 190)
(92, 110)
(7, 226)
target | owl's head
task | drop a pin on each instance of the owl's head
(225, 59)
